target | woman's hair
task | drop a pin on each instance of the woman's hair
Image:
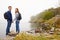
(17, 10)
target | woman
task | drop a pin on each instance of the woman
(17, 18)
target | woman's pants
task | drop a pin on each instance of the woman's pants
(17, 26)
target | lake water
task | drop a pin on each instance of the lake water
(25, 26)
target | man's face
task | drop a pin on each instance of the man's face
(10, 8)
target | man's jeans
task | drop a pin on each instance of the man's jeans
(8, 27)
(17, 26)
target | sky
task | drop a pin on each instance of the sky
(27, 8)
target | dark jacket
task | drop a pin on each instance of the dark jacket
(9, 16)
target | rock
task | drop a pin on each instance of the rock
(11, 36)
(8, 38)
(37, 30)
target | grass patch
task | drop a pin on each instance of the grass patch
(24, 36)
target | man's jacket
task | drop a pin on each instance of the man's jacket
(9, 16)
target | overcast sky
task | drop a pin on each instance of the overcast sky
(27, 7)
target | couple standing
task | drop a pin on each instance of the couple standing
(8, 17)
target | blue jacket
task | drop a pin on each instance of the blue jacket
(9, 16)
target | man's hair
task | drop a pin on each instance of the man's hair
(9, 6)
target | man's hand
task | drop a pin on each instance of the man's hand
(12, 21)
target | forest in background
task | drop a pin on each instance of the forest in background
(47, 19)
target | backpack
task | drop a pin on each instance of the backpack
(5, 15)
(19, 17)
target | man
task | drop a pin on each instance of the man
(9, 20)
